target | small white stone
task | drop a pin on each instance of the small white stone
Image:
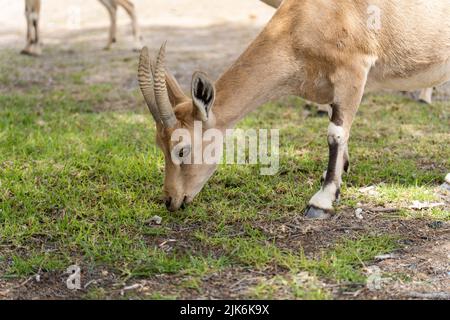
(371, 191)
(367, 189)
(358, 213)
(417, 205)
(385, 257)
(447, 178)
(155, 220)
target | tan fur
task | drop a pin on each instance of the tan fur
(32, 10)
(324, 51)
(424, 96)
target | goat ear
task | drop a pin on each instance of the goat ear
(203, 95)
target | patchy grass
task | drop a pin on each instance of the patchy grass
(78, 184)
(298, 286)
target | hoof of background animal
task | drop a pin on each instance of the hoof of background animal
(138, 47)
(317, 108)
(321, 113)
(425, 102)
(109, 45)
(31, 52)
(316, 213)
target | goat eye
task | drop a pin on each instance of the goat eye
(184, 152)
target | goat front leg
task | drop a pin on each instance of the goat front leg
(349, 88)
(32, 11)
(130, 9)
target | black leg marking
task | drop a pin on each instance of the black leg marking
(331, 172)
(346, 165)
(338, 194)
(337, 116)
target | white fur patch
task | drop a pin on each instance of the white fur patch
(336, 133)
(324, 198)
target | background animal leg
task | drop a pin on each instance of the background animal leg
(111, 6)
(130, 9)
(32, 11)
(426, 96)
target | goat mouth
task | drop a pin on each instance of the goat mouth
(184, 203)
(175, 206)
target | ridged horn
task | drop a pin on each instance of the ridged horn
(146, 83)
(162, 97)
(175, 92)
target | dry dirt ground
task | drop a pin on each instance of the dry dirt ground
(206, 35)
(419, 270)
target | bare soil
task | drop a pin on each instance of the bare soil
(419, 270)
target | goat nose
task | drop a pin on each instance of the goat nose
(168, 202)
(183, 204)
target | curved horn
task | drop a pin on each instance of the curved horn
(162, 97)
(176, 94)
(146, 83)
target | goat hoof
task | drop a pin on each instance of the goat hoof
(316, 213)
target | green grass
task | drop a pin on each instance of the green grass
(78, 185)
(301, 286)
(344, 262)
(34, 263)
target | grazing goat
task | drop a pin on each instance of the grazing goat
(326, 51)
(32, 13)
